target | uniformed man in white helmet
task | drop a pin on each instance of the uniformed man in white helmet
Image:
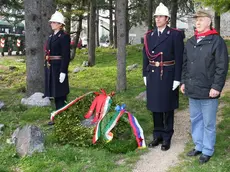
(162, 63)
(57, 57)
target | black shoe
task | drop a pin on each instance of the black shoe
(155, 142)
(165, 146)
(204, 158)
(193, 152)
(50, 123)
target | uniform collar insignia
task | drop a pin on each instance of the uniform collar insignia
(59, 35)
(168, 32)
(152, 33)
(50, 35)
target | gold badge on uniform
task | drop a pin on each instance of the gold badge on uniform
(157, 64)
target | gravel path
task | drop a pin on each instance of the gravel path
(159, 161)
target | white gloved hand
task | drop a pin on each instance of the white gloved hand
(145, 80)
(175, 84)
(62, 77)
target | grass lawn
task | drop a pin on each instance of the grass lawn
(66, 157)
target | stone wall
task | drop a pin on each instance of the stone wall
(225, 25)
(139, 32)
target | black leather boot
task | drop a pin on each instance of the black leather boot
(165, 145)
(155, 142)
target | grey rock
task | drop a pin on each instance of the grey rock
(36, 100)
(85, 64)
(139, 49)
(2, 127)
(28, 140)
(1, 105)
(21, 60)
(78, 69)
(132, 67)
(88, 122)
(1, 78)
(14, 137)
(142, 96)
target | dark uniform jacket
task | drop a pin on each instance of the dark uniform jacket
(57, 45)
(160, 97)
(205, 66)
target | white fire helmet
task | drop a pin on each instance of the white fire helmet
(162, 10)
(57, 17)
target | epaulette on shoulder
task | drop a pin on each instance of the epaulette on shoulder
(149, 31)
(176, 29)
(63, 34)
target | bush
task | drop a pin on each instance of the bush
(68, 128)
(123, 138)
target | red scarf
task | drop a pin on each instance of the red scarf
(210, 32)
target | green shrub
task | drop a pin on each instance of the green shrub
(123, 138)
(68, 128)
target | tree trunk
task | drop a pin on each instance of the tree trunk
(48, 8)
(110, 22)
(174, 7)
(68, 18)
(97, 29)
(217, 22)
(76, 39)
(115, 32)
(127, 23)
(121, 7)
(37, 13)
(150, 14)
(88, 24)
(91, 47)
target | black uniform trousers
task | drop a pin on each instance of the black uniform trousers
(163, 125)
(60, 102)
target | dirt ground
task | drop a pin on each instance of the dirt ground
(160, 161)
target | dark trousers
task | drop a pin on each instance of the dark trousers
(163, 125)
(60, 102)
